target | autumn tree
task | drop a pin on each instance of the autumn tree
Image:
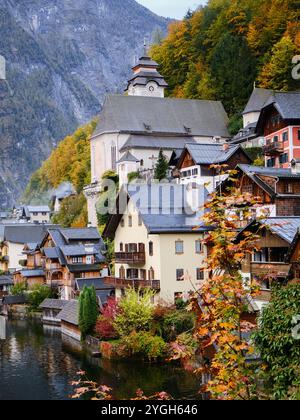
(221, 303)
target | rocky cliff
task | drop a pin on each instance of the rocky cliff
(62, 57)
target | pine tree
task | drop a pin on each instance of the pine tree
(161, 167)
(88, 311)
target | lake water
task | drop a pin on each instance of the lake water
(36, 364)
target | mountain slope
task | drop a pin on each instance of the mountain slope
(62, 57)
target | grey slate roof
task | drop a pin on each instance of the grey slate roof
(23, 234)
(128, 157)
(32, 273)
(129, 114)
(76, 250)
(53, 304)
(6, 280)
(81, 235)
(272, 172)
(207, 154)
(51, 253)
(70, 313)
(83, 268)
(287, 104)
(163, 209)
(285, 227)
(98, 283)
(156, 142)
(257, 100)
(15, 300)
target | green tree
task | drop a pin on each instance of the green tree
(19, 288)
(161, 167)
(37, 294)
(88, 311)
(279, 350)
(136, 312)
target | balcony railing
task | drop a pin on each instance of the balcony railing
(131, 257)
(135, 283)
(273, 148)
(277, 269)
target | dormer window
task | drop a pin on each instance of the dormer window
(147, 127)
(187, 129)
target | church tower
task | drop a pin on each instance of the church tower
(146, 80)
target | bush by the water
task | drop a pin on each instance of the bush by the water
(143, 344)
(105, 329)
(37, 294)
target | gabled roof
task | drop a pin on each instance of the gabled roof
(70, 313)
(15, 300)
(209, 154)
(23, 234)
(257, 100)
(286, 103)
(77, 250)
(163, 209)
(270, 172)
(132, 114)
(128, 157)
(284, 227)
(156, 142)
(38, 209)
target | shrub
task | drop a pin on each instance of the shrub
(38, 293)
(176, 323)
(18, 288)
(145, 345)
(104, 327)
(136, 312)
(279, 350)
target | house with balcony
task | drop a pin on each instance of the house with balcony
(197, 160)
(14, 237)
(158, 237)
(278, 189)
(279, 123)
(69, 254)
(269, 262)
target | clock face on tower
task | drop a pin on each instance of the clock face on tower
(151, 88)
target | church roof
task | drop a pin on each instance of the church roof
(257, 100)
(183, 117)
(156, 142)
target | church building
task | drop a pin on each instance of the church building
(134, 127)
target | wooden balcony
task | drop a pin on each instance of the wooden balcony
(276, 147)
(130, 257)
(135, 283)
(270, 268)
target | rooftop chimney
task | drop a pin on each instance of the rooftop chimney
(225, 147)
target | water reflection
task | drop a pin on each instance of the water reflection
(35, 363)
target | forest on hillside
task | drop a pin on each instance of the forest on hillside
(222, 49)
(216, 52)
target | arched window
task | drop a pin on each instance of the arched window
(121, 247)
(142, 162)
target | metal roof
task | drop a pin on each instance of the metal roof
(285, 227)
(23, 234)
(77, 250)
(83, 234)
(156, 142)
(272, 172)
(206, 154)
(128, 157)
(70, 313)
(132, 114)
